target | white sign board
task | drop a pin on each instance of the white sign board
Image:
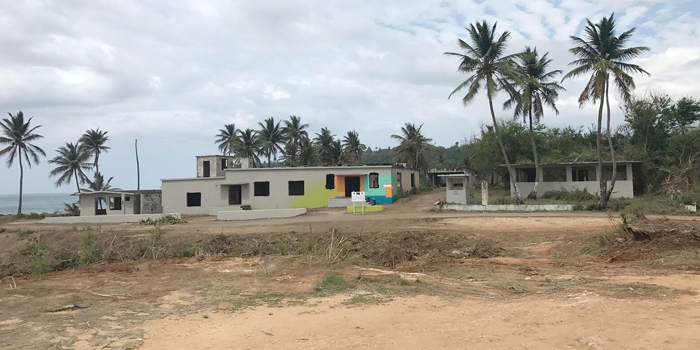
(358, 196)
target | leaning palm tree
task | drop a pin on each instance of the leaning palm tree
(71, 163)
(247, 146)
(484, 58)
(93, 142)
(18, 135)
(603, 55)
(353, 147)
(412, 147)
(536, 91)
(225, 138)
(271, 138)
(294, 131)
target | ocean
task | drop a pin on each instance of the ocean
(35, 203)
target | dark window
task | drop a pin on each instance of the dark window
(296, 188)
(224, 163)
(261, 189)
(525, 175)
(115, 203)
(194, 199)
(330, 181)
(206, 169)
(126, 199)
(373, 180)
(413, 180)
(398, 180)
(234, 194)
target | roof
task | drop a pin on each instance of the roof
(216, 155)
(337, 167)
(454, 175)
(532, 165)
(131, 193)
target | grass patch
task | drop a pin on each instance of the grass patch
(332, 283)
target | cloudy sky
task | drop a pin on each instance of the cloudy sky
(170, 73)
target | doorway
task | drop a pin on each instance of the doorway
(206, 168)
(234, 194)
(352, 184)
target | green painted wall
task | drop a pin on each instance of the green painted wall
(315, 196)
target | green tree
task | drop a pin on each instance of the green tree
(99, 184)
(225, 138)
(353, 148)
(412, 147)
(484, 58)
(536, 91)
(247, 146)
(603, 55)
(93, 142)
(307, 152)
(271, 138)
(294, 132)
(18, 135)
(71, 163)
(324, 146)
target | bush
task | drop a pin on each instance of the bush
(167, 219)
(332, 283)
(91, 250)
(575, 196)
(187, 250)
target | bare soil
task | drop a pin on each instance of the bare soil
(417, 279)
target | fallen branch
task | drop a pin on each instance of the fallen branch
(111, 295)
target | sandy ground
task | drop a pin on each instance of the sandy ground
(549, 295)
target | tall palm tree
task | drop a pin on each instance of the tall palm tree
(247, 146)
(536, 91)
(18, 135)
(99, 184)
(602, 54)
(93, 142)
(412, 147)
(307, 152)
(336, 154)
(71, 163)
(271, 139)
(294, 131)
(353, 147)
(324, 145)
(484, 58)
(225, 138)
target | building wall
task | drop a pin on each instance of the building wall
(88, 204)
(151, 203)
(214, 191)
(623, 188)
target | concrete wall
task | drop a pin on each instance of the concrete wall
(88, 204)
(215, 191)
(457, 194)
(623, 188)
(101, 219)
(151, 202)
(507, 207)
(236, 215)
(215, 169)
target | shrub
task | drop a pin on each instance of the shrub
(90, 251)
(167, 219)
(332, 283)
(575, 195)
(187, 250)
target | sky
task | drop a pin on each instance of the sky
(171, 73)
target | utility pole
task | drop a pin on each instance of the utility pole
(138, 171)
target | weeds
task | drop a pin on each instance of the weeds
(332, 283)
(573, 196)
(166, 219)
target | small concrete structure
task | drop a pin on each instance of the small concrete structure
(120, 203)
(236, 215)
(573, 176)
(438, 177)
(102, 219)
(457, 188)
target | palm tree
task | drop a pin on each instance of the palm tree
(353, 146)
(247, 146)
(225, 138)
(271, 138)
(484, 59)
(99, 184)
(412, 147)
(603, 54)
(71, 162)
(336, 154)
(536, 91)
(18, 135)
(324, 144)
(294, 131)
(307, 152)
(72, 209)
(93, 142)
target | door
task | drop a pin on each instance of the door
(234, 194)
(207, 168)
(352, 184)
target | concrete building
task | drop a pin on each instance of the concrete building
(571, 176)
(438, 179)
(457, 188)
(285, 187)
(120, 202)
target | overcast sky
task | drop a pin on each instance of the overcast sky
(171, 73)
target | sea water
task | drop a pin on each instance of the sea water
(35, 203)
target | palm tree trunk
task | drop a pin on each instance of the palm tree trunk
(602, 194)
(21, 177)
(511, 171)
(610, 143)
(97, 165)
(533, 194)
(75, 172)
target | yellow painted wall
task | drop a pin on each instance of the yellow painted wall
(316, 196)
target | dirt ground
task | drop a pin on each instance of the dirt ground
(540, 281)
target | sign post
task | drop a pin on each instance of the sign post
(358, 197)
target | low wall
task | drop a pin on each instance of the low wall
(102, 219)
(259, 214)
(508, 207)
